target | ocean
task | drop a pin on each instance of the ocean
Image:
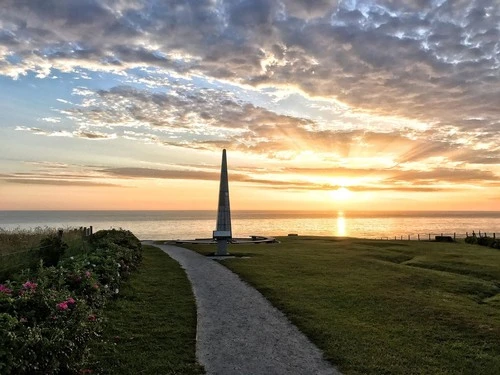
(167, 225)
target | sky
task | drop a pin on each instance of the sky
(321, 105)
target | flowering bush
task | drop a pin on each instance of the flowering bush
(47, 318)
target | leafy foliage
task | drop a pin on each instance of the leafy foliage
(52, 248)
(48, 318)
(483, 241)
(23, 248)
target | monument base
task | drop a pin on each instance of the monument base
(222, 247)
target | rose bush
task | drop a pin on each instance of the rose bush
(48, 316)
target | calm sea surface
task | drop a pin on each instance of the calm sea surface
(199, 224)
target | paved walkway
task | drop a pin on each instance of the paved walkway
(239, 331)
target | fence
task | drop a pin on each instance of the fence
(438, 236)
(12, 262)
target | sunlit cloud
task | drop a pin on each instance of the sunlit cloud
(376, 95)
(34, 181)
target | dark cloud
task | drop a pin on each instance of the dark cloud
(92, 135)
(309, 9)
(63, 133)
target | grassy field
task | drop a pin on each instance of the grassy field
(384, 307)
(151, 327)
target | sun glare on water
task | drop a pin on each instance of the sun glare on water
(341, 225)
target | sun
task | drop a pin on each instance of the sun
(342, 194)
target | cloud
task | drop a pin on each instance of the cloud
(396, 176)
(64, 133)
(161, 174)
(284, 178)
(54, 120)
(33, 181)
(94, 135)
(434, 61)
(59, 174)
(290, 183)
(209, 119)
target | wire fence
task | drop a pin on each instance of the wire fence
(12, 262)
(440, 237)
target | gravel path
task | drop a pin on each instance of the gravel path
(239, 331)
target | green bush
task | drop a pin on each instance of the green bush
(51, 250)
(47, 320)
(483, 241)
(47, 328)
(471, 239)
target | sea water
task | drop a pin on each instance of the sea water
(200, 224)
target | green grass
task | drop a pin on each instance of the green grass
(384, 307)
(151, 327)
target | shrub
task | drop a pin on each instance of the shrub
(471, 240)
(47, 319)
(52, 248)
(483, 241)
(47, 329)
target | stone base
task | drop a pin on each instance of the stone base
(221, 247)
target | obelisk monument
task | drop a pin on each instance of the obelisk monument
(222, 234)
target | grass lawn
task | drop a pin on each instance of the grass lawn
(384, 307)
(151, 327)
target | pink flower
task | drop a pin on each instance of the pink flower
(92, 318)
(29, 285)
(70, 301)
(5, 290)
(95, 286)
(23, 320)
(87, 274)
(62, 306)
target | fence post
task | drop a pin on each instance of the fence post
(60, 234)
(493, 235)
(401, 237)
(466, 234)
(454, 236)
(418, 237)
(429, 236)
(408, 237)
(394, 238)
(91, 230)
